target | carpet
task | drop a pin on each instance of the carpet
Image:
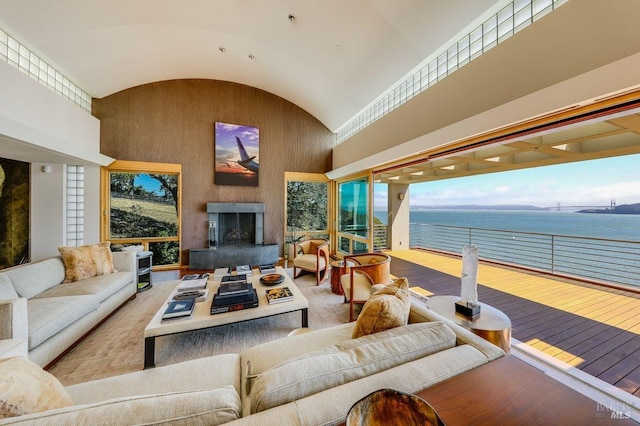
(117, 346)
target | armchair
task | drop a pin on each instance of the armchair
(312, 256)
(369, 269)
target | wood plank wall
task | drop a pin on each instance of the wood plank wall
(173, 122)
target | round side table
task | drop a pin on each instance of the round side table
(338, 269)
(492, 324)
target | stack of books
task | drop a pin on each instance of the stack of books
(179, 309)
(279, 295)
(234, 293)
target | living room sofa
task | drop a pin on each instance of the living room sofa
(311, 378)
(35, 304)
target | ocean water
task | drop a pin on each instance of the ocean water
(616, 261)
(609, 226)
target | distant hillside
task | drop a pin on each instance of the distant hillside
(479, 207)
(622, 209)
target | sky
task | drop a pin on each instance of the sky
(584, 183)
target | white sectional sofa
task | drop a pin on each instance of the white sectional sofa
(51, 316)
(311, 378)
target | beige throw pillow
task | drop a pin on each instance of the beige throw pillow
(26, 388)
(87, 261)
(386, 308)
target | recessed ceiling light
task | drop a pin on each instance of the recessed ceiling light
(251, 57)
(339, 47)
(222, 49)
(292, 18)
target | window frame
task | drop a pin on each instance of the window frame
(121, 166)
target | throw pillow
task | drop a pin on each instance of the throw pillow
(386, 308)
(313, 247)
(87, 261)
(26, 388)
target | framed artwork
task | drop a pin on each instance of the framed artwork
(15, 190)
(236, 155)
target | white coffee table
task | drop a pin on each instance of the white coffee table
(203, 319)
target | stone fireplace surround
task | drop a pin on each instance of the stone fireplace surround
(238, 237)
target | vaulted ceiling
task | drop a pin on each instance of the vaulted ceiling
(330, 57)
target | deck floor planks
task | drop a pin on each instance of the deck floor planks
(590, 327)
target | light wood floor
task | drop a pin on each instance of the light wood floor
(592, 328)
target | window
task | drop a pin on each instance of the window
(307, 206)
(141, 206)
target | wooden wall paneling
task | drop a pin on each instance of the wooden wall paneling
(173, 122)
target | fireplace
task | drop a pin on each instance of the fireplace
(236, 237)
(235, 224)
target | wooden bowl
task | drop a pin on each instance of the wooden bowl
(389, 407)
(271, 279)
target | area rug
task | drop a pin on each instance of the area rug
(117, 346)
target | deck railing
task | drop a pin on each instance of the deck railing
(596, 259)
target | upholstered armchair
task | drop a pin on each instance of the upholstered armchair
(369, 269)
(312, 256)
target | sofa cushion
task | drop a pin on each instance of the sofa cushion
(102, 286)
(211, 372)
(347, 361)
(47, 316)
(386, 308)
(33, 278)
(6, 288)
(87, 261)
(26, 388)
(200, 407)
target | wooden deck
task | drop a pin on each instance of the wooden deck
(592, 328)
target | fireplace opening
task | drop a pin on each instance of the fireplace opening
(237, 228)
(235, 224)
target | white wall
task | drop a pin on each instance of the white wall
(48, 214)
(47, 211)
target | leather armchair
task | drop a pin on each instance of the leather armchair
(312, 256)
(369, 269)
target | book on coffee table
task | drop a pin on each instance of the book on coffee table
(244, 270)
(193, 282)
(179, 309)
(233, 279)
(218, 273)
(279, 295)
(267, 269)
(234, 289)
(236, 303)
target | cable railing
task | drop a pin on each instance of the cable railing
(594, 259)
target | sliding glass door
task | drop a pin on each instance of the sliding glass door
(353, 234)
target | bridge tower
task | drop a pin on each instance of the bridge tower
(558, 206)
(613, 204)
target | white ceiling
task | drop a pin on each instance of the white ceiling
(105, 46)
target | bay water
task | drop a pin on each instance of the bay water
(608, 226)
